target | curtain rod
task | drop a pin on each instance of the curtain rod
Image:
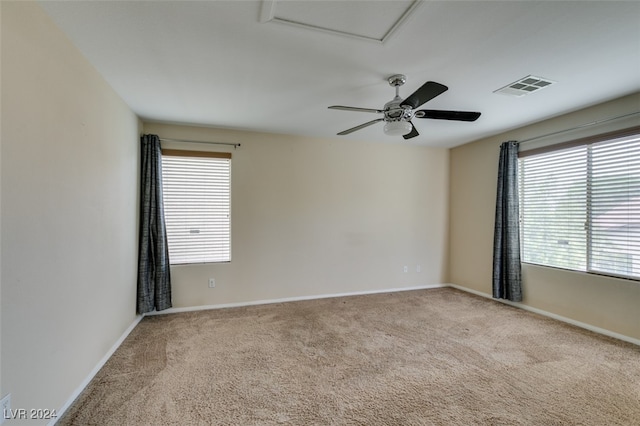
(593, 123)
(234, 145)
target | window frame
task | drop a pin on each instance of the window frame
(588, 237)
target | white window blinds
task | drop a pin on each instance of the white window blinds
(553, 208)
(615, 207)
(197, 206)
(580, 207)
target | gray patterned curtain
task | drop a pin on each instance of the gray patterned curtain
(154, 277)
(507, 279)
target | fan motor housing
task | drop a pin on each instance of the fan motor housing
(394, 112)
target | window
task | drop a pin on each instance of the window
(580, 205)
(197, 205)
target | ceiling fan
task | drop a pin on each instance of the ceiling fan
(398, 113)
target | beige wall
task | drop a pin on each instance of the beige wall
(69, 161)
(315, 217)
(1, 391)
(607, 303)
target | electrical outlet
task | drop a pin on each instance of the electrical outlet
(406, 269)
(212, 282)
(5, 407)
(418, 268)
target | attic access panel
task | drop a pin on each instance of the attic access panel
(366, 20)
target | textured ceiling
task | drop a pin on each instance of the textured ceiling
(270, 66)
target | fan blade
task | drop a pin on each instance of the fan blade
(347, 108)
(428, 91)
(412, 134)
(447, 115)
(362, 126)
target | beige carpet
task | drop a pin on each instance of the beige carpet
(428, 357)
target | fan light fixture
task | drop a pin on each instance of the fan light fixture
(397, 128)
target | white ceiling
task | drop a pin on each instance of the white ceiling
(266, 66)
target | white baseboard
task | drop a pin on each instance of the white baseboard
(289, 299)
(95, 370)
(552, 315)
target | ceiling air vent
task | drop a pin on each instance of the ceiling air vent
(525, 85)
